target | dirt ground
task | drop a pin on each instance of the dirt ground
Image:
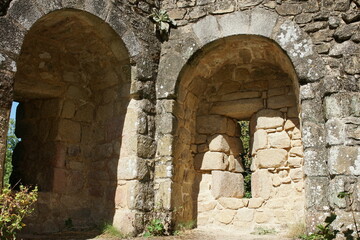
(195, 234)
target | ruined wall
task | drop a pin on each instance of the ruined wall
(90, 66)
(321, 39)
(234, 79)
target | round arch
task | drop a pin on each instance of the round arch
(184, 53)
(109, 24)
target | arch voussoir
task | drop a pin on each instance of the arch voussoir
(26, 13)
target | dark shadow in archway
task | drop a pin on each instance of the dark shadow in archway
(73, 85)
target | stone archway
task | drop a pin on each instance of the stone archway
(233, 79)
(119, 29)
(72, 85)
(184, 52)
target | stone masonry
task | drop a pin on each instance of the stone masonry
(115, 123)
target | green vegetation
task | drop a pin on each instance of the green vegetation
(12, 140)
(163, 23)
(181, 227)
(324, 232)
(14, 206)
(186, 225)
(263, 231)
(109, 230)
(246, 156)
(349, 233)
(155, 228)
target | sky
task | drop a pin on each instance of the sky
(13, 110)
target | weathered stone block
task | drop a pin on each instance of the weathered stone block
(296, 134)
(352, 132)
(290, 123)
(68, 109)
(231, 203)
(25, 18)
(244, 215)
(271, 158)
(255, 202)
(296, 152)
(227, 184)
(69, 131)
(277, 102)
(127, 226)
(225, 216)
(235, 164)
(219, 143)
(344, 160)
(296, 175)
(312, 111)
(239, 95)
(259, 140)
(262, 22)
(336, 186)
(267, 119)
(214, 161)
(12, 36)
(206, 206)
(279, 140)
(337, 106)
(239, 109)
(261, 184)
(315, 162)
(165, 145)
(84, 113)
(263, 217)
(166, 123)
(313, 135)
(227, 26)
(335, 131)
(295, 161)
(130, 168)
(236, 146)
(288, 9)
(211, 124)
(206, 29)
(146, 147)
(317, 192)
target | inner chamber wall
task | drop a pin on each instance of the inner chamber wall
(73, 87)
(238, 78)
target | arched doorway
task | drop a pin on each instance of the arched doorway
(73, 84)
(238, 78)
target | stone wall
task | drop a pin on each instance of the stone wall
(90, 66)
(70, 121)
(235, 78)
(321, 40)
(307, 48)
(277, 182)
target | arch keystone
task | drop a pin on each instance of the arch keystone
(207, 29)
(262, 22)
(241, 26)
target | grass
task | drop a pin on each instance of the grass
(263, 231)
(296, 230)
(109, 231)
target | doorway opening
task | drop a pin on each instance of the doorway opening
(72, 86)
(247, 79)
